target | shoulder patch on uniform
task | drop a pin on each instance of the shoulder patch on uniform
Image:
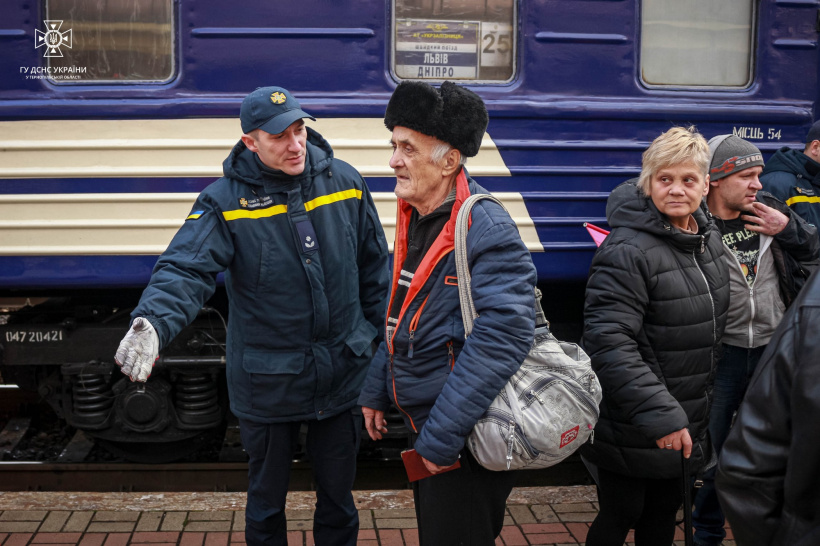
(195, 215)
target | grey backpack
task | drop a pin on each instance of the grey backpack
(549, 407)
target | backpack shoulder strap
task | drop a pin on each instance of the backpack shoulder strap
(468, 312)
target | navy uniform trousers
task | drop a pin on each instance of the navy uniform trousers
(332, 445)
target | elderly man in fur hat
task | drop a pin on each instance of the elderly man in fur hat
(440, 382)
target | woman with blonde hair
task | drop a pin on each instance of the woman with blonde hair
(656, 304)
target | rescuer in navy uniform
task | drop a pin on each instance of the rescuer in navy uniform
(297, 233)
(793, 176)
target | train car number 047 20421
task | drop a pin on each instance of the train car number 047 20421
(33, 336)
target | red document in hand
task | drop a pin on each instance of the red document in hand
(415, 466)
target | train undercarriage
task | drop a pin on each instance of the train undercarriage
(63, 347)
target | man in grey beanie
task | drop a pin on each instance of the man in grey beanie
(768, 249)
(793, 176)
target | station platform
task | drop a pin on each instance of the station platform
(535, 515)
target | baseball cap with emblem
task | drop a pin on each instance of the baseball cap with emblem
(271, 109)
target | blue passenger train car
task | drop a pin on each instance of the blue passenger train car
(114, 115)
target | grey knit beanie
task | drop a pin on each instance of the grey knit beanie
(731, 154)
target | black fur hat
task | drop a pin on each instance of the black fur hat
(452, 114)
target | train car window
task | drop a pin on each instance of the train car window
(111, 41)
(697, 43)
(454, 40)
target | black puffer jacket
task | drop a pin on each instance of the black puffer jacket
(656, 305)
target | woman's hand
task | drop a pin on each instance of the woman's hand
(677, 441)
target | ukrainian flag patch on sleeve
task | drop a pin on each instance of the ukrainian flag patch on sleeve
(195, 215)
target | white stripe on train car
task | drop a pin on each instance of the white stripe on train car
(144, 223)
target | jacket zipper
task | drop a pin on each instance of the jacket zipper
(414, 322)
(708, 291)
(396, 397)
(451, 354)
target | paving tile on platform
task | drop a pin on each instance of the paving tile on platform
(411, 537)
(208, 526)
(579, 530)
(369, 534)
(239, 522)
(148, 522)
(548, 538)
(23, 515)
(54, 521)
(296, 538)
(56, 538)
(191, 539)
(390, 537)
(110, 527)
(300, 525)
(237, 537)
(299, 514)
(173, 521)
(77, 522)
(574, 507)
(365, 520)
(577, 516)
(396, 523)
(117, 539)
(521, 513)
(18, 539)
(528, 528)
(512, 536)
(395, 513)
(18, 526)
(544, 514)
(111, 515)
(162, 536)
(92, 539)
(216, 515)
(217, 539)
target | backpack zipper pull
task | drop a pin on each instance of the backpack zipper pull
(410, 349)
(591, 434)
(535, 395)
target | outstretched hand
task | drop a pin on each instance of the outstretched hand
(138, 350)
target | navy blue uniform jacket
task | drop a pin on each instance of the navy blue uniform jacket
(442, 383)
(306, 274)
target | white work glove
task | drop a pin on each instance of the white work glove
(138, 350)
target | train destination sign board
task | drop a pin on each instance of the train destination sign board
(427, 49)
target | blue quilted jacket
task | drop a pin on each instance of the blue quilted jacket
(441, 383)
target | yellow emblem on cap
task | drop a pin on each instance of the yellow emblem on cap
(277, 98)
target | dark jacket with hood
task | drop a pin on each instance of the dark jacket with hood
(768, 475)
(656, 305)
(442, 383)
(794, 178)
(306, 274)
